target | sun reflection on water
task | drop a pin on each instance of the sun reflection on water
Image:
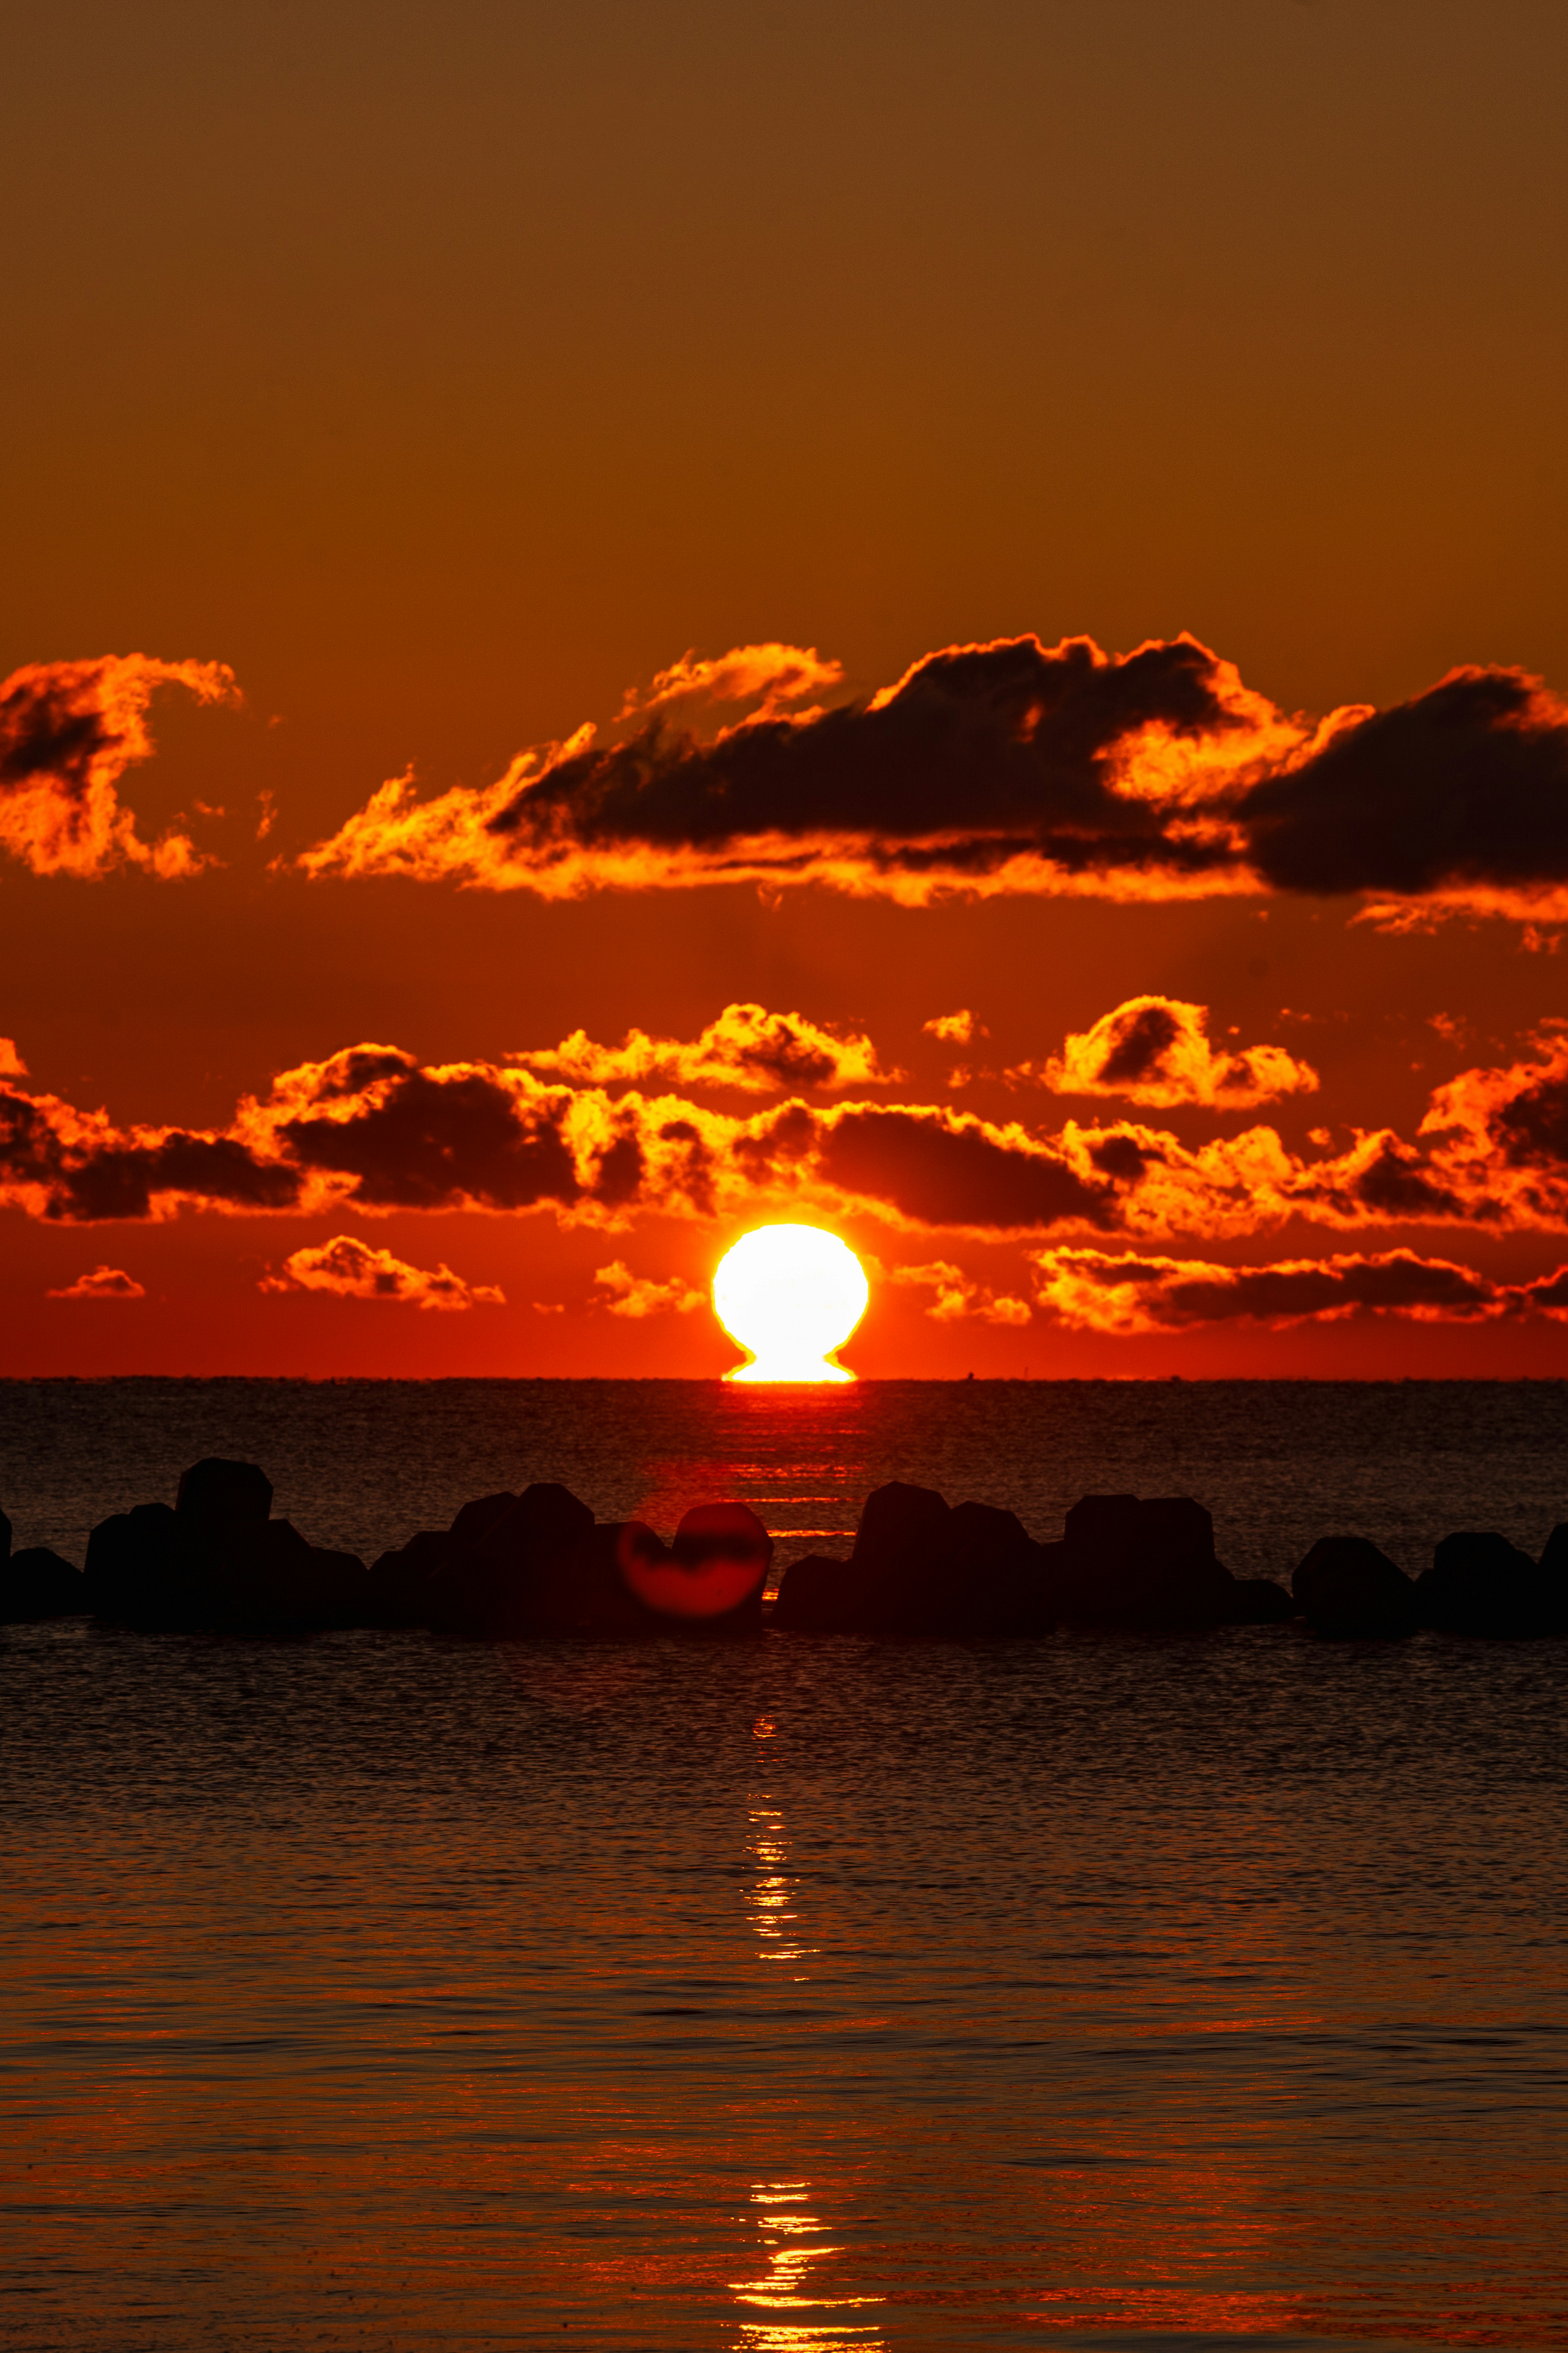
(793, 2318)
(793, 2241)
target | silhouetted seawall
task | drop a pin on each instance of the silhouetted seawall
(535, 1565)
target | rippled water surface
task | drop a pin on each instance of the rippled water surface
(383, 1991)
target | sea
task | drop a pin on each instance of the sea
(383, 1990)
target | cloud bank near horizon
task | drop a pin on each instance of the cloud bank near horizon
(373, 1128)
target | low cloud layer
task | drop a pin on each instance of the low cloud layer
(747, 1047)
(1155, 1050)
(637, 1295)
(1015, 766)
(102, 1283)
(351, 1269)
(956, 1297)
(1093, 1290)
(372, 1130)
(69, 731)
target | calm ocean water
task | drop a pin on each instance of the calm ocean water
(384, 1991)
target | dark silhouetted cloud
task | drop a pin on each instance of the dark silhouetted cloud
(1015, 766)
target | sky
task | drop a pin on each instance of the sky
(624, 621)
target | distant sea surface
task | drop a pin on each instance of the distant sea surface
(383, 1991)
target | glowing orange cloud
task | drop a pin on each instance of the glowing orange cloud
(954, 1028)
(639, 1295)
(956, 1295)
(1016, 768)
(69, 731)
(351, 1269)
(747, 1047)
(1155, 1050)
(769, 674)
(103, 1282)
(372, 1130)
(1090, 1291)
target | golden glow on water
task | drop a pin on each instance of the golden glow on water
(793, 2240)
(789, 1295)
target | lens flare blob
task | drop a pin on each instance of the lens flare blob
(790, 1294)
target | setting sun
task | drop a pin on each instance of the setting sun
(790, 1294)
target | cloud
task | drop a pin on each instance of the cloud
(637, 1295)
(1091, 1290)
(768, 674)
(69, 731)
(1155, 1050)
(372, 1130)
(351, 1269)
(1458, 796)
(957, 1296)
(747, 1047)
(63, 1165)
(954, 1028)
(1013, 766)
(103, 1282)
(12, 1066)
(995, 767)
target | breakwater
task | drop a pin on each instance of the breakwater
(537, 1564)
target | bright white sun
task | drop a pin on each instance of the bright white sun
(789, 1294)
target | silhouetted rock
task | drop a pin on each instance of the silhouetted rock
(401, 1581)
(901, 1551)
(475, 1520)
(591, 1590)
(1145, 1563)
(892, 1579)
(344, 1589)
(990, 1578)
(215, 1494)
(502, 1552)
(816, 1596)
(1257, 1602)
(919, 1568)
(37, 1583)
(1347, 1588)
(4, 1537)
(1484, 1584)
(135, 1568)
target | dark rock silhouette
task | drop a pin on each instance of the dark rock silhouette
(1484, 1584)
(135, 1568)
(400, 1581)
(1347, 1588)
(4, 1537)
(218, 1563)
(501, 1552)
(816, 1596)
(587, 1592)
(1143, 1563)
(1259, 1601)
(214, 1494)
(37, 1583)
(919, 1568)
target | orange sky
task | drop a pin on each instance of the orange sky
(413, 387)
